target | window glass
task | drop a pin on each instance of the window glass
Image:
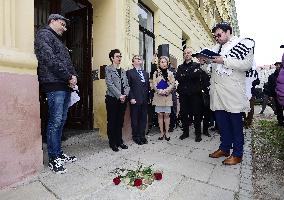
(146, 35)
(145, 18)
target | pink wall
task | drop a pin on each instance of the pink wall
(20, 138)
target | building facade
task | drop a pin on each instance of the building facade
(97, 26)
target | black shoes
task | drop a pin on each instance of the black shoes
(198, 139)
(167, 138)
(114, 148)
(164, 136)
(123, 146)
(56, 166)
(139, 142)
(145, 141)
(161, 138)
(183, 136)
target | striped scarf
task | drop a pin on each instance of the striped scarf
(239, 49)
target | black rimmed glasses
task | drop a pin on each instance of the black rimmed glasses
(62, 24)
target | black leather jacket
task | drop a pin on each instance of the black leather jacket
(192, 80)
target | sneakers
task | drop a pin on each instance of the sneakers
(67, 159)
(56, 166)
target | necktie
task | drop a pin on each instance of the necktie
(140, 72)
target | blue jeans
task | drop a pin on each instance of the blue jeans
(231, 132)
(57, 114)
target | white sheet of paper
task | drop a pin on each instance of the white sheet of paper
(74, 98)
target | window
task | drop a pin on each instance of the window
(146, 35)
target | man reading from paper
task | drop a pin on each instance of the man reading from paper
(227, 91)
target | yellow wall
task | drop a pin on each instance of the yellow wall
(17, 36)
(116, 26)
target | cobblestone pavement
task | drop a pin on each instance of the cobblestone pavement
(188, 172)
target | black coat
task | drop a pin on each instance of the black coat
(271, 84)
(138, 90)
(54, 62)
(194, 83)
(192, 80)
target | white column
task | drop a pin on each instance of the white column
(7, 25)
(17, 36)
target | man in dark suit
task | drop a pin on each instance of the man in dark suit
(138, 80)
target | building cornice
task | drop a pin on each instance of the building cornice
(12, 58)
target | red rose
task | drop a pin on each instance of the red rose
(137, 182)
(158, 176)
(116, 180)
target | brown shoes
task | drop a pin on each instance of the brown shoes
(232, 160)
(219, 153)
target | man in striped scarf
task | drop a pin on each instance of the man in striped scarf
(228, 97)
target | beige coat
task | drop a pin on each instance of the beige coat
(228, 92)
(161, 100)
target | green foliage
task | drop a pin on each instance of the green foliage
(274, 134)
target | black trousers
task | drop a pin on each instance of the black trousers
(115, 118)
(138, 114)
(279, 112)
(186, 111)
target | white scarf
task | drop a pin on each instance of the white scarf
(221, 69)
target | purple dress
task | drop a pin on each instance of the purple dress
(280, 85)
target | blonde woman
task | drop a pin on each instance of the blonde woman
(163, 84)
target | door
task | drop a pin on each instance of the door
(78, 40)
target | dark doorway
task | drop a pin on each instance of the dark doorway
(79, 42)
(78, 39)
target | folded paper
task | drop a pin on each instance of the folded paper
(162, 85)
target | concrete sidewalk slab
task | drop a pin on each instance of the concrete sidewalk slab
(188, 172)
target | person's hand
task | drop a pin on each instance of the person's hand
(166, 92)
(203, 60)
(133, 101)
(161, 92)
(218, 59)
(73, 81)
(122, 98)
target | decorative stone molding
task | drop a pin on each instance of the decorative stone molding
(17, 59)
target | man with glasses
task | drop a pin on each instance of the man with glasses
(57, 77)
(228, 97)
(138, 80)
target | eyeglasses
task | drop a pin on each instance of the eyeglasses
(118, 56)
(62, 23)
(138, 58)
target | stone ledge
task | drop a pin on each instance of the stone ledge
(13, 58)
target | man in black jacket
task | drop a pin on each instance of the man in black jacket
(138, 80)
(56, 76)
(272, 93)
(192, 89)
